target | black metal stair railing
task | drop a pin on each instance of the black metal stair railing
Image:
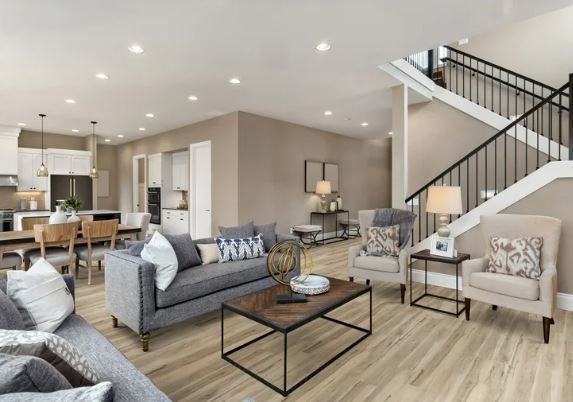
(507, 157)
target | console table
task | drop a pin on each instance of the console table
(336, 237)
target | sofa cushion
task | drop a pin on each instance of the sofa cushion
(269, 234)
(185, 250)
(29, 374)
(377, 263)
(209, 253)
(240, 249)
(518, 257)
(508, 285)
(238, 232)
(160, 253)
(383, 240)
(102, 392)
(10, 317)
(206, 279)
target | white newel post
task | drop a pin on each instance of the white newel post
(399, 146)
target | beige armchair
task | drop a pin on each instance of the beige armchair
(388, 269)
(522, 294)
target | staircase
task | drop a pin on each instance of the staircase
(535, 131)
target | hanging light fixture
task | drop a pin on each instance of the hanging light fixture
(43, 170)
(94, 173)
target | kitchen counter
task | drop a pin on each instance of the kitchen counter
(18, 216)
(176, 209)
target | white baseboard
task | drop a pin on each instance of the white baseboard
(564, 300)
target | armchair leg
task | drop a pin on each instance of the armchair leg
(367, 282)
(113, 321)
(351, 278)
(468, 303)
(402, 292)
(552, 321)
(546, 328)
(145, 341)
(494, 307)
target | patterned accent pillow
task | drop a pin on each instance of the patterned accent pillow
(52, 348)
(101, 392)
(517, 257)
(240, 249)
(383, 240)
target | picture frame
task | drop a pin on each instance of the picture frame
(313, 172)
(331, 174)
(442, 246)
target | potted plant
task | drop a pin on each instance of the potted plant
(73, 204)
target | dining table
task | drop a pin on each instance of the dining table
(24, 239)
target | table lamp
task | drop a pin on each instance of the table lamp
(444, 200)
(323, 188)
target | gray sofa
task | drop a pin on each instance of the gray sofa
(131, 296)
(108, 363)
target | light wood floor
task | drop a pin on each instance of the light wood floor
(413, 355)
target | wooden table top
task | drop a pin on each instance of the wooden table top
(426, 255)
(262, 306)
(27, 236)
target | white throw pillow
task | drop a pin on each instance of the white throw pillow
(41, 296)
(160, 253)
(209, 253)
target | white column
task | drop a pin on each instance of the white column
(399, 146)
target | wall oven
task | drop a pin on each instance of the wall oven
(154, 204)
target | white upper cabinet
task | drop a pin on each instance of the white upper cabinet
(154, 170)
(29, 160)
(180, 171)
(69, 162)
(9, 150)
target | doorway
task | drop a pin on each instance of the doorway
(200, 186)
(139, 183)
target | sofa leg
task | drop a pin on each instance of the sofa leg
(546, 328)
(144, 341)
(552, 321)
(494, 307)
(367, 282)
(468, 308)
(351, 278)
(113, 322)
(402, 292)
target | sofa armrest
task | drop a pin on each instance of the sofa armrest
(130, 289)
(548, 287)
(471, 266)
(353, 252)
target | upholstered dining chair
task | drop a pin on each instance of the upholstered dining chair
(381, 268)
(56, 243)
(536, 296)
(137, 220)
(95, 233)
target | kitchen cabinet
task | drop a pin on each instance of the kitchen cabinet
(69, 163)
(180, 170)
(29, 161)
(154, 169)
(8, 151)
(175, 221)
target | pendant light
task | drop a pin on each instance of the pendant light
(42, 171)
(94, 173)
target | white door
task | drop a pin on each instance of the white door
(201, 189)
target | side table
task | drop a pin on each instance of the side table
(425, 256)
(336, 237)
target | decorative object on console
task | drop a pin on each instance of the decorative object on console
(43, 170)
(517, 257)
(333, 206)
(73, 203)
(331, 175)
(322, 189)
(240, 249)
(74, 217)
(383, 241)
(93, 173)
(442, 246)
(313, 172)
(444, 200)
(59, 216)
(338, 203)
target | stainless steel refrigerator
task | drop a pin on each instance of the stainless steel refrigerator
(64, 186)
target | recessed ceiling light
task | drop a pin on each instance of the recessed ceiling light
(323, 46)
(102, 76)
(107, 140)
(141, 128)
(328, 112)
(22, 124)
(390, 133)
(75, 130)
(150, 115)
(235, 81)
(135, 48)
(194, 98)
(364, 124)
(70, 101)
(120, 136)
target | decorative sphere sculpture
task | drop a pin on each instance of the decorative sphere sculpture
(282, 260)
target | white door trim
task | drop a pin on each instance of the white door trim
(135, 181)
(192, 192)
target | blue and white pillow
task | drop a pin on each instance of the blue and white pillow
(240, 249)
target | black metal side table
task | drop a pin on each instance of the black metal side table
(336, 237)
(425, 256)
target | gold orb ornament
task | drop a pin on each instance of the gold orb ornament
(282, 260)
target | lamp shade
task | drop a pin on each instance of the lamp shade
(444, 200)
(323, 187)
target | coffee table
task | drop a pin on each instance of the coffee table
(261, 306)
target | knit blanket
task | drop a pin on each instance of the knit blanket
(392, 216)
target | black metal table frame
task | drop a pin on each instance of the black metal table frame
(335, 238)
(427, 294)
(284, 391)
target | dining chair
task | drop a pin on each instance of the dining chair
(137, 220)
(11, 260)
(56, 243)
(96, 232)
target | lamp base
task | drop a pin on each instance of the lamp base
(323, 203)
(444, 230)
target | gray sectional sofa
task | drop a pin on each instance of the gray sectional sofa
(108, 363)
(131, 296)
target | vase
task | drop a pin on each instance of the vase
(339, 203)
(74, 217)
(332, 206)
(59, 216)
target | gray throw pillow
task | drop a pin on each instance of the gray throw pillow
(10, 317)
(29, 374)
(238, 232)
(101, 392)
(269, 234)
(185, 250)
(135, 247)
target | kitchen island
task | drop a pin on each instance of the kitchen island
(98, 214)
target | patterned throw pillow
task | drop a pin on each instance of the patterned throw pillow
(240, 249)
(383, 240)
(52, 348)
(517, 257)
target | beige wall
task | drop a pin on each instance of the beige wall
(107, 160)
(33, 139)
(271, 170)
(222, 132)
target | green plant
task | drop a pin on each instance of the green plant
(73, 203)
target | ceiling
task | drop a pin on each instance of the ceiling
(51, 50)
